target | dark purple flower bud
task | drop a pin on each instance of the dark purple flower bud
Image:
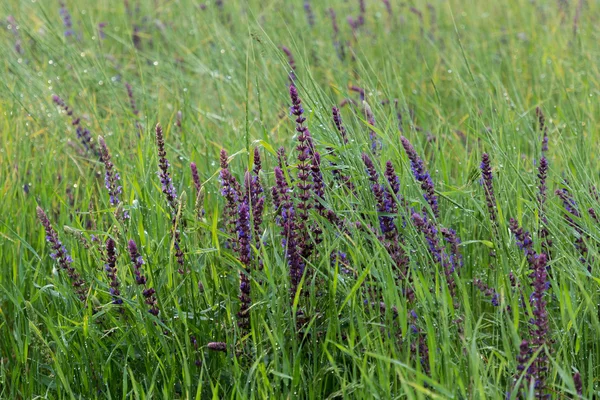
(131, 99)
(195, 177)
(524, 241)
(337, 119)
(12, 25)
(486, 178)
(422, 175)
(111, 271)
(376, 144)
(334, 24)
(217, 346)
(578, 383)
(163, 173)
(136, 38)
(61, 256)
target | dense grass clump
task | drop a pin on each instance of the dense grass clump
(338, 199)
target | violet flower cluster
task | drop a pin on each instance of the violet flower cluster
(111, 180)
(61, 256)
(539, 324)
(486, 180)
(163, 164)
(111, 271)
(422, 175)
(83, 134)
(66, 18)
(148, 292)
(199, 204)
(131, 99)
(292, 63)
(542, 176)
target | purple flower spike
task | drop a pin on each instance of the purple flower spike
(131, 99)
(541, 197)
(83, 134)
(487, 291)
(61, 256)
(578, 383)
(486, 177)
(66, 18)
(422, 175)
(287, 220)
(111, 271)
(543, 128)
(165, 176)
(217, 346)
(111, 179)
(148, 293)
(231, 191)
(292, 63)
(245, 252)
(310, 16)
(337, 119)
(101, 33)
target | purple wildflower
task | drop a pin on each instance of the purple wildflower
(290, 242)
(231, 191)
(359, 90)
(66, 18)
(376, 144)
(199, 206)
(165, 176)
(61, 255)
(245, 252)
(83, 134)
(101, 33)
(422, 175)
(541, 197)
(111, 271)
(486, 175)
(578, 383)
(310, 16)
(148, 293)
(487, 291)
(292, 64)
(337, 119)
(136, 38)
(12, 23)
(111, 179)
(131, 99)
(543, 128)
(388, 7)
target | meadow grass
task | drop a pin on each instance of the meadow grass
(465, 77)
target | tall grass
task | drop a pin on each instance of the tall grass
(483, 288)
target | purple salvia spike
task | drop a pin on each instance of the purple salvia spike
(195, 177)
(578, 383)
(66, 18)
(487, 291)
(290, 242)
(231, 191)
(111, 179)
(61, 256)
(111, 271)
(542, 175)
(359, 90)
(486, 180)
(388, 7)
(148, 293)
(422, 175)
(163, 173)
(376, 144)
(83, 134)
(245, 253)
(292, 64)
(543, 128)
(101, 32)
(131, 99)
(337, 119)
(310, 16)
(430, 232)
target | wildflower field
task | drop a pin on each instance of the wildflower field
(300, 200)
